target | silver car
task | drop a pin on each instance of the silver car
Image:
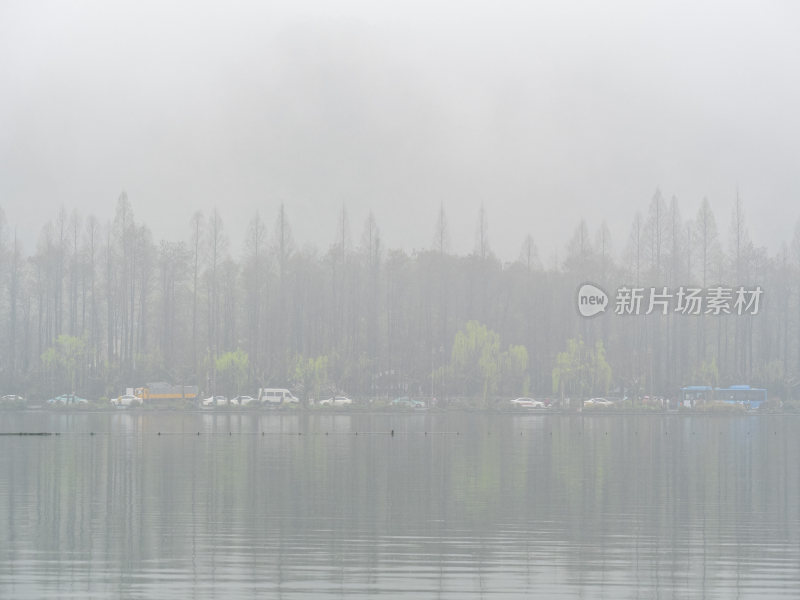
(337, 401)
(126, 400)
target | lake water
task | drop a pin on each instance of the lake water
(450, 506)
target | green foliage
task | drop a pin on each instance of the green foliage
(232, 368)
(514, 367)
(474, 358)
(581, 371)
(477, 362)
(64, 360)
(310, 375)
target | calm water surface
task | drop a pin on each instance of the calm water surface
(450, 506)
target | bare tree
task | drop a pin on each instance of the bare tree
(283, 247)
(197, 228)
(254, 277)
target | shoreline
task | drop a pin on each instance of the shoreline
(389, 411)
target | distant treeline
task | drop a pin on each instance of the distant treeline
(103, 306)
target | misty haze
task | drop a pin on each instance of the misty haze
(316, 300)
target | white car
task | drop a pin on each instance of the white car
(527, 403)
(597, 402)
(126, 400)
(12, 399)
(337, 401)
(215, 401)
(242, 400)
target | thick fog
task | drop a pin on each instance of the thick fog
(546, 114)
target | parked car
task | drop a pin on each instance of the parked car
(527, 403)
(68, 400)
(215, 401)
(276, 396)
(592, 402)
(12, 399)
(242, 400)
(126, 400)
(406, 402)
(336, 401)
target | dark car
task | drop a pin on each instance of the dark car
(406, 402)
(67, 400)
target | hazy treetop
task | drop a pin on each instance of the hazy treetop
(545, 113)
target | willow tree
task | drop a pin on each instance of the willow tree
(581, 370)
(474, 359)
(65, 361)
(232, 370)
(310, 376)
(483, 368)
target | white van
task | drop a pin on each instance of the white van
(276, 396)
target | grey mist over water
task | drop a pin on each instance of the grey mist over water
(451, 506)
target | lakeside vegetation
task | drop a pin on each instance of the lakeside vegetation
(100, 307)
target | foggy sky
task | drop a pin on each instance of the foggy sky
(544, 112)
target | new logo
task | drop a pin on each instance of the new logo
(591, 300)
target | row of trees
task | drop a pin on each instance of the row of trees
(103, 306)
